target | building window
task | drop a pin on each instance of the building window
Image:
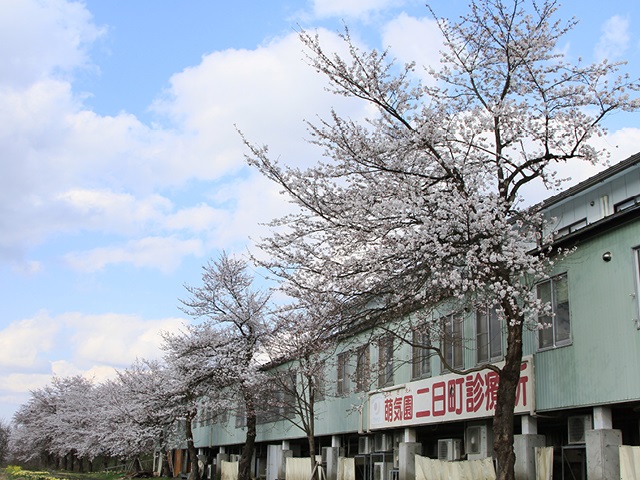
(421, 355)
(385, 361)
(342, 387)
(488, 335)
(627, 203)
(241, 416)
(636, 258)
(289, 395)
(452, 340)
(318, 384)
(363, 365)
(555, 292)
(574, 227)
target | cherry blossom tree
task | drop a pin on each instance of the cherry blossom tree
(299, 357)
(421, 204)
(162, 401)
(57, 421)
(30, 436)
(208, 364)
(5, 432)
(237, 316)
(146, 409)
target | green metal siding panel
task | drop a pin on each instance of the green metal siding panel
(601, 364)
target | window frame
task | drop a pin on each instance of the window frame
(342, 371)
(319, 384)
(488, 317)
(626, 203)
(385, 361)
(420, 355)
(289, 395)
(241, 416)
(636, 275)
(552, 318)
(571, 228)
(363, 366)
(452, 340)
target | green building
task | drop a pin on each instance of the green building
(386, 400)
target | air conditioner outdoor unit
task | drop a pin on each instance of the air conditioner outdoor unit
(383, 442)
(577, 428)
(364, 445)
(379, 471)
(449, 449)
(477, 442)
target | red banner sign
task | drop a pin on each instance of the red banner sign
(447, 398)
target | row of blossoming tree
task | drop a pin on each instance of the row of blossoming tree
(236, 358)
(413, 207)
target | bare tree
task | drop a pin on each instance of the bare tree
(422, 202)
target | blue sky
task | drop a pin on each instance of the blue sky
(122, 171)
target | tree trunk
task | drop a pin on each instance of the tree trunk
(244, 468)
(193, 452)
(312, 456)
(506, 401)
(311, 427)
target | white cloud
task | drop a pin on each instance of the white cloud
(27, 268)
(414, 40)
(620, 145)
(163, 253)
(23, 343)
(614, 39)
(42, 38)
(92, 345)
(196, 219)
(115, 340)
(23, 382)
(260, 202)
(73, 170)
(115, 212)
(351, 8)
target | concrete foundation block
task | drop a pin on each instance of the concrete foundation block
(603, 458)
(524, 447)
(407, 460)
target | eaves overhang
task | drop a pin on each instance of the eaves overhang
(600, 227)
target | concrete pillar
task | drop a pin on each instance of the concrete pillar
(410, 435)
(529, 425)
(524, 447)
(407, 452)
(602, 418)
(283, 465)
(219, 458)
(603, 458)
(333, 454)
